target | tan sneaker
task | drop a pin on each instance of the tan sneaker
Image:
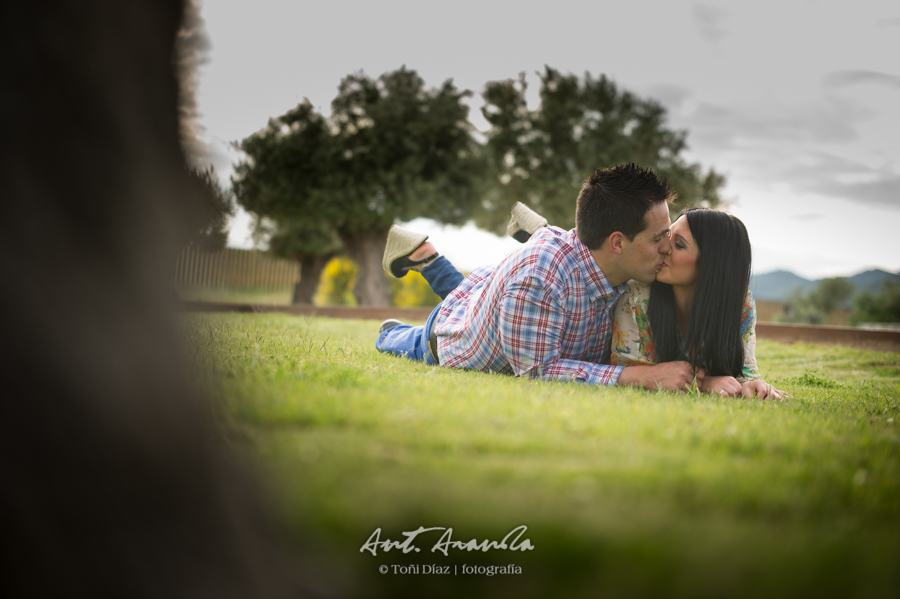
(400, 244)
(524, 222)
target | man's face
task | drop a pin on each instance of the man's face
(642, 257)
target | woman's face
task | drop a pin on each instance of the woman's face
(680, 266)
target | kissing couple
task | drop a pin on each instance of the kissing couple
(625, 298)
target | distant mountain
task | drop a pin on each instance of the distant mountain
(871, 279)
(778, 285)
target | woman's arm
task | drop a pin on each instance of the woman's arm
(632, 342)
(750, 369)
(750, 382)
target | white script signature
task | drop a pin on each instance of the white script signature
(445, 543)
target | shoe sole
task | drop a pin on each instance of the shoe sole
(524, 222)
(400, 244)
(389, 324)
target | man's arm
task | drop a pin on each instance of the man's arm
(532, 323)
(668, 376)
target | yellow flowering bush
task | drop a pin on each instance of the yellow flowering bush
(336, 283)
(339, 277)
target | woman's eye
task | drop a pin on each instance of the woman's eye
(680, 245)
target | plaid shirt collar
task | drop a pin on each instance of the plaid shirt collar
(595, 281)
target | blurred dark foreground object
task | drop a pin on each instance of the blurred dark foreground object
(112, 485)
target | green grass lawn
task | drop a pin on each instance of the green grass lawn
(277, 297)
(625, 493)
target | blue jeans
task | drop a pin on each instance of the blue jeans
(412, 341)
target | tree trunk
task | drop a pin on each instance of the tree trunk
(311, 268)
(116, 480)
(373, 288)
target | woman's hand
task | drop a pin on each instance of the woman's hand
(720, 385)
(761, 389)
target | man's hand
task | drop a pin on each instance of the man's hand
(668, 376)
(721, 385)
(761, 389)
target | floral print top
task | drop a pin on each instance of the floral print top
(632, 342)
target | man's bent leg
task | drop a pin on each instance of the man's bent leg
(442, 276)
(403, 340)
(408, 341)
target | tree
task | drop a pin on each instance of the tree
(391, 150)
(541, 157)
(209, 226)
(286, 161)
(883, 306)
(830, 294)
(815, 306)
(311, 245)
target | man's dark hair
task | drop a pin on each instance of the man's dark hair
(616, 199)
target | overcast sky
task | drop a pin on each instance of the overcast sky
(795, 101)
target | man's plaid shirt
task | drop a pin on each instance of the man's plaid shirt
(544, 312)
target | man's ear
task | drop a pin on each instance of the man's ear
(616, 242)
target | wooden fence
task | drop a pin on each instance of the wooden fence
(253, 269)
(234, 269)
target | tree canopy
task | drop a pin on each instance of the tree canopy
(209, 226)
(813, 307)
(541, 157)
(882, 306)
(391, 150)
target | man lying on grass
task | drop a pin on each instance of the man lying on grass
(546, 310)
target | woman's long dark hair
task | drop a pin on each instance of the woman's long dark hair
(713, 337)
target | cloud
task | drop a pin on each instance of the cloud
(888, 23)
(810, 216)
(838, 79)
(670, 96)
(838, 177)
(884, 191)
(798, 146)
(708, 20)
(832, 120)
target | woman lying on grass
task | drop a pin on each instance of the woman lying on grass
(699, 309)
